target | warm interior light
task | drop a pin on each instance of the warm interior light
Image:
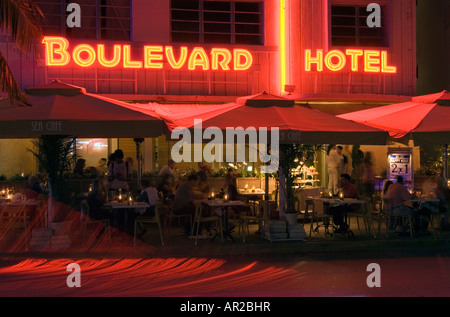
(283, 43)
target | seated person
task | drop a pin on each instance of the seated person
(443, 194)
(203, 186)
(96, 199)
(149, 195)
(35, 187)
(338, 212)
(183, 201)
(398, 194)
(167, 187)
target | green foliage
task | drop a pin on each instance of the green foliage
(430, 160)
(18, 178)
(291, 156)
(54, 154)
(22, 20)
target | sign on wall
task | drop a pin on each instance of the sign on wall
(58, 53)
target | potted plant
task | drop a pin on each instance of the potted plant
(291, 157)
(55, 155)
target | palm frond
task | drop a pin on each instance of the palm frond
(8, 83)
(23, 19)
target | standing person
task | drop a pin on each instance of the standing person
(333, 163)
(168, 169)
(357, 167)
(343, 161)
(398, 194)
(368, 178)
(231, 185)
(111, 159)
(102, 167)
(119, 172)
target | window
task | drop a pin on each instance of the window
(100, 19)
(225, 22)
(349, 27)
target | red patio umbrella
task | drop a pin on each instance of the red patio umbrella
(425, 119)
(296, 123)
(63, 109)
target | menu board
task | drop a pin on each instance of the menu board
(400, 163)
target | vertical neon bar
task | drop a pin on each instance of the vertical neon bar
(283, 43)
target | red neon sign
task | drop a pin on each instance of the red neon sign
(58, 53)
(374, 61)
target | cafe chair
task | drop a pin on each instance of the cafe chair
(12, 218)
(170, 216)
(437, 220)
(391, 218)
(379, 214)
(199, 219)
(307, 213)
(254, 217)
(143, 220)
(365, 214)
(321, 220)
(87, 221)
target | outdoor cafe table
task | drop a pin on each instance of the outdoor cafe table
(321, 202)
(129, 213)
(252, 194)
(418, 216)
(224, 206)
(29, 207)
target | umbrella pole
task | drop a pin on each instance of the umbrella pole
(445, 160)
(138, 142)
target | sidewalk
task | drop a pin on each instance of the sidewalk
(179, 245)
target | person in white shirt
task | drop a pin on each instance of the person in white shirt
(119, 172)
(334, 165)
